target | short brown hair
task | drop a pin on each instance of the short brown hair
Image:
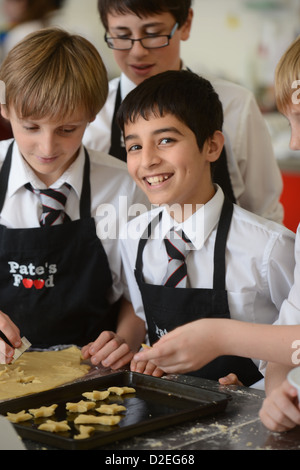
(178, 8)
(52, 73)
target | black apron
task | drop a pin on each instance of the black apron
(54, 280)
(167, 308)
(220, 174)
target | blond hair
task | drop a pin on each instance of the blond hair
(52, 73)
(286, 76)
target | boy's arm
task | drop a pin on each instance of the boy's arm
(130, 326)
(191, 346)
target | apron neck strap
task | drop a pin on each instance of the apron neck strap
(220, 244)
(4, 175)
(115, 148)
(85, 199)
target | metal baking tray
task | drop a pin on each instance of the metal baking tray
(157, 403)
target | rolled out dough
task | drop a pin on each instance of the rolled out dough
(38, 371)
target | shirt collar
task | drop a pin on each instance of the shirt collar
(126, 86)
(198, 226)
(21, 173)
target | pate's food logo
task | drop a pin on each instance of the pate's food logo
(30, 276)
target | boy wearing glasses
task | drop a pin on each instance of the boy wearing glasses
(145, 38)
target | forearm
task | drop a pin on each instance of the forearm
(275, 375)
(130, 327)
(265, 342)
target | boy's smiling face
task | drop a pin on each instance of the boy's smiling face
(139, 63)
(165, 161)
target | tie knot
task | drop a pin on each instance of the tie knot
(177, 245)
(54, 198)
(53, 203)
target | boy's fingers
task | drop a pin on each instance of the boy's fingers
(10, 330)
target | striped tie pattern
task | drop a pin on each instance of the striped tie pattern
(53, 203)
(177, 246)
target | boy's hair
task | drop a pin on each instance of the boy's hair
(287, 71)
(190, 98)
(52, 73)
(178, 8)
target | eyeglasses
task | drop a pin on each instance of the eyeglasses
(148, 42)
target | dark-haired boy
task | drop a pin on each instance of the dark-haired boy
(239, 266)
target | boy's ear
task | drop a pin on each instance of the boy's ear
(186, 27)
(215, 146)
(4, 111)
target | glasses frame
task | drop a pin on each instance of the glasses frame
(167, 36)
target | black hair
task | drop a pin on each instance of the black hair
(178, 8)
(186, 95)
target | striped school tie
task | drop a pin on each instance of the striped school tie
(177, 246)
(53, 203)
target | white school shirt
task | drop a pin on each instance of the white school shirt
(253, 169)
(290, 310)
(113, 195)
(259, 258)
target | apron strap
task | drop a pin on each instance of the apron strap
(221, 175)
(4, 175)
(116, 149)
(85, 199)
(143, 240)
(220, 245)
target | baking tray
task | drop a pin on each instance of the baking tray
(157, 403)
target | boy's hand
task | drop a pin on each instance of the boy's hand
(147, 368)
(230, 379)
(12, 333)
(109, 349)
(187, 348)
(280, 410)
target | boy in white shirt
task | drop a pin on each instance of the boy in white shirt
(145, 39)
(239, 265)
(280, 410)
(61, 283)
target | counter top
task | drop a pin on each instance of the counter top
(238, 427)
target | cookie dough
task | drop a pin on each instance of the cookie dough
(43, 411)
(80, 407)
(96, 395)
(121, 390)
(19, 417)
(112, 409)
(54, 426)
(39, 371)
(92, 419)
(84, 432)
